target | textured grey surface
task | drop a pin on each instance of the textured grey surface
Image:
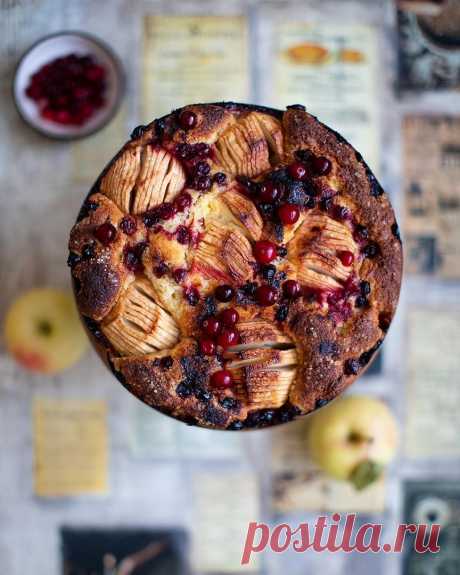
(38, 206)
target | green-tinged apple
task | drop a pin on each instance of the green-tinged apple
(353, 439)
(43, 331)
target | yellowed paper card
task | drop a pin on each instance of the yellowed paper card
(70, 442)
(224, 505)
(191, 59)
(433, 396)
(298, 484)
(332, 70)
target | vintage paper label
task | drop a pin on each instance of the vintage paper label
(70, 443)
(433, 396)
(432, 195)
(332, 70)
(224, 504)
(190, 59)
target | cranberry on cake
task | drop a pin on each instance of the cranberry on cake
(236, 266)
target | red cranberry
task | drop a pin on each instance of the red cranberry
(297, 171)
(167, 211)
(291, 289)
(228, 337)
(183, 202)
(221, 379)
(211, 326)
(269, 192)
(321, 166)
(128, 225)
(224, 293)
(288, 214)
(347, 258)
(229, 316)
(132, 256)
(207, 347)
(264, 251)
(187, 119)
(105, 233)
(266, 295)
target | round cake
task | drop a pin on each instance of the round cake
(236, 266)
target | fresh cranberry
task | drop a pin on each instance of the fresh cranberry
(229, 316)
(264, 251)
(128, 225)
(297, 171)
(288, 214)
(228, 337)
(105, 233)
(183, 202)
(167, 211)
(187, 119)
(179, 275)
(321, 166)
(266, 295)
(269, 192)
(347, 258)
(211, 326)
(221, 379)
(224, 293)
(291, 289)
(207, 347)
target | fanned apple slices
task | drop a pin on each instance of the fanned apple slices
(245, 213)
(263, 366)
(247, 146)
(224, 254)
(143, 177)
(315, 249)
(138, 325)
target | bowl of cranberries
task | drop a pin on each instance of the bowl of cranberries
(68, 85)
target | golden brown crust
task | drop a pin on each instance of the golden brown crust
(184, 204)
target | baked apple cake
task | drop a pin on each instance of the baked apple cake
(236, 266)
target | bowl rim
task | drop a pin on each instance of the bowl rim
(118, 98)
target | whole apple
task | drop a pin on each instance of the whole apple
(353, 439)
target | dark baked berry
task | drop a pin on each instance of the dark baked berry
(105, 233)
(228, 337)
(202, 150)
(298, 171)
(219, 178)
(201, 183)
(361, 301)
(224, 293)
(87, 251)
(187, 119)
(221, 379)
(167, 211)
(73, 259)
(268, 272)
(267, 210)
(264, 251)
(192, 295)
(128, 225)
(229, 403)
(160, 127)
(376, 188)
(211, 326)
(229, 316)
(365, 288)
(296, 107)
(282, 312)
(202, 395)
(321, 166)
(161, 269)
(179, 275)
(371, 250)
(325, 204)
(235, 425)
(352, 366)
(328, 348)
(310, 202)
(138, 132)
(183, 390)
(288, 214)
(291, 289)
(266, 295)
(132, 256)
(321, 403)
(166, 362)
(183, 201)
(361, 232)
(183, 151)
(207, 347)
(250, 288)
(304, 156)
(347, 258)
(395, 231)
(202, 169)
(384, 321)
(341, 213)
(281, 251)
(269, 192)
(183, 235)
(151, 218)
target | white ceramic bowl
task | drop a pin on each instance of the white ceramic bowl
(55, 46)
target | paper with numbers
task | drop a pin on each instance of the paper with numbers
(70, 444)
(433, 394)
(224, 504)
(189, 59)
(332, 70)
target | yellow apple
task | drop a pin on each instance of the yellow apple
(353, 439)
(43, 331)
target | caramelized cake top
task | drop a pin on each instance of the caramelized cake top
(236, 266)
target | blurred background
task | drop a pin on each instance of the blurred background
(88, 474)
